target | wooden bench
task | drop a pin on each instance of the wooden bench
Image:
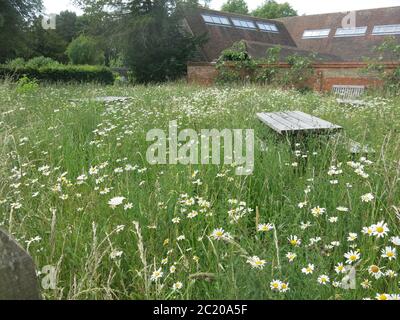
(349, 94)
(295, 122)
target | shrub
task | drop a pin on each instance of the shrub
(26, 85)
(61, 73)
(85, 50)
(40, 62)
(16, 63)
(235, 64)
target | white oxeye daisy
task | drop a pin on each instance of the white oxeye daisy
(380, 229)
(366, 284)
(375, 271)
(389, 253)
(323, 279)
(275, 285)
(317, 211)
(256, 262)
(342, 209)
(352, 237)
(395, 241)
(352, 256)
(291, 256)
(382, 296)
(157, 274)
(368, 231)
(177, 286)
(309, 269)
(265, 227)
(220, 234)
(340, 268)
(294, 241)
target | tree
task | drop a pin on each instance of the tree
(15, 17)
(235, 6)
(85, 50)
(270, 9)
(150, 34)
(67, 25)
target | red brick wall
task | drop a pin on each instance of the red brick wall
(326, 74)
(201, 73)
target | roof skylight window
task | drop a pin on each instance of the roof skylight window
(216, 20)
(351, 32)
(315, 34)
(269, 27)
(388, 29)
(244, 24)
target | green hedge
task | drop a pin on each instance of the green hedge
(61, 73)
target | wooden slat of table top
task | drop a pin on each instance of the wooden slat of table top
(316, 122)
(295, 121)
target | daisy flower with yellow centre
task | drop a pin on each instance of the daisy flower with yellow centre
(256, 262)
(375, 271)
(382, 296)
(317, 211)
(389, 253)
(177, 286)
(368, 231)
(366, 284)
(380, 229)
(340, 268)
(157, 274)
(218, 234)
(294, 241)
(309, 269)
(352, 256)
(323, 279)
(275, 285)
(284, 287)
(291, 256)
(265, 227)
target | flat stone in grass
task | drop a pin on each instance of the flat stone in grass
(108, 99)
(18, 279)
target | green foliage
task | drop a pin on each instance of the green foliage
(235, 6)
(26, 85)
(16, 63)
(270, 9)
(300, 70)
(157, 49)
(85, 50)
(268, 74)
(388, 51)
(15, 18)
(234, 64)
(41, 62)
(60, 73)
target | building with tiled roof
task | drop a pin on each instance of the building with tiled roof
(326, 35)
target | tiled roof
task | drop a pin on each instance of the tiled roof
(290, 34)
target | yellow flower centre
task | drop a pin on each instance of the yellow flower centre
(390, 254)
(374, 269)
(379, 229)
(353, 258)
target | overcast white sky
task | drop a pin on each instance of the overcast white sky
(302, 6)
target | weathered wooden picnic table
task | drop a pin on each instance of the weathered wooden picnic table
(297, 122)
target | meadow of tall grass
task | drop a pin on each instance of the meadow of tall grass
(77, 192)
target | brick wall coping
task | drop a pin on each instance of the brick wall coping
(322, 65)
